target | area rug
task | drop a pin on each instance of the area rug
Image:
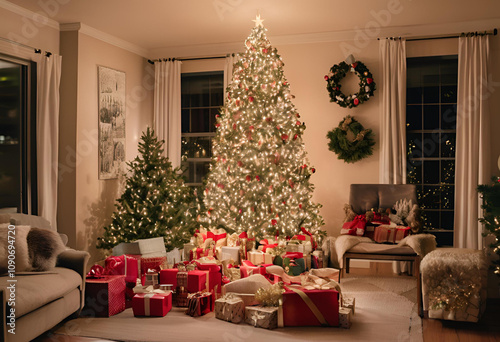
(385, 310)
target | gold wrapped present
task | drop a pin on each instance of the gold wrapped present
(345, 318)
(230, 308)
(262, 316)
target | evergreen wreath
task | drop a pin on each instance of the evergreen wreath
(338, 72)
(351, 151)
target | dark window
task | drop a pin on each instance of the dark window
(202, 98)
(17, 136)
(431, 134)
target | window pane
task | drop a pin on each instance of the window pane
(196, 147)
(414, 145)
(449, 94)
(447, 197)
(431, 172)
(448, 171)
(414, 95)
(199, 92)
(448, 142)
(432, 221)
(448, 117)
(213, 120)
(414, 171)
(431, 94)
(413, 117)
(216, 91)
(447, 220)
(430, 145)
(431, 117)
(185, 121)
(200, 120)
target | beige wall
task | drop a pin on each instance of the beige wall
(28, 32)
(94, 199)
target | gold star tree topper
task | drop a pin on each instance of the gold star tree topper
(258, 21)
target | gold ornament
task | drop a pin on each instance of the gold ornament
(270, 296)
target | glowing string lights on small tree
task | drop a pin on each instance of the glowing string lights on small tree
(155, 203)
(491, 217)
(260, 177)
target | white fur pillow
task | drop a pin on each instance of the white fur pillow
(35, 249)
(19, 237)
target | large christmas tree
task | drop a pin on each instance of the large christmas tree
(155, 203)
(260, 177)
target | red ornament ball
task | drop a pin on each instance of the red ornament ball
(250, 99)
(284, 137)
(326, 77)
(369, 80)
(356, 101)
(248, 178)
(274, 222)
(257, 178)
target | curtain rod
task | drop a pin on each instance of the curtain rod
(47, 53)
(152, 61)
(494, 32)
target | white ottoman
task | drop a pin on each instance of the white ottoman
(454, 284)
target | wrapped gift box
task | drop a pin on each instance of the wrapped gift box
(297, 308)
(152, 263)
(169, 276)
(345, 318)
(127, 265)
(348, 303)
(230, 253)
(391, 234)
(182, 279)
(188, 247)
(401, 233)
(230, 308)
(200, 303)
(152, 304)
(248, 268)
(181, 297)
(317, 259)
(262, 316)
(259, 257)
(105, 296)
(196, 281)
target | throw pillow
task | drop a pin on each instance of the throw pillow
(19, 236)
(44, 246)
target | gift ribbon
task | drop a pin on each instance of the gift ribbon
(147, 308)
(256, 316)
(293, 255)
(311, 306)
(305, 231)
(216, 237)
(96, 271)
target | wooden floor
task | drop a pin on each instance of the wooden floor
(486, 330)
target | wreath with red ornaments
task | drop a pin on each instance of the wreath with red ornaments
(338, 72)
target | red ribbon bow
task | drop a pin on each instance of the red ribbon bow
(95, 272)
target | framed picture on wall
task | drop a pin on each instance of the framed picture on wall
(111, 89)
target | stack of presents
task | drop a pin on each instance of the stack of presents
(266, 283)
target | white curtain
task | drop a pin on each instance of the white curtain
(167, 108)
(473, 139)
(392, 169)
(47, 131)
(228, 71)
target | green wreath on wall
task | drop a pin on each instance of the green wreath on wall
(351, 151)
(338, 72)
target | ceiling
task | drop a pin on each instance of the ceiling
(156, 24)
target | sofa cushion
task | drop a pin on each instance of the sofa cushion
(35, 289)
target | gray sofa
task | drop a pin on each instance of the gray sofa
(43, 299)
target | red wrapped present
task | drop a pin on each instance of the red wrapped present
(182, 279)
(200, 303)
(248, 268)
(152, 304)
(105, 297)
(307, 236)
(354, 227)
(384, 233)
(169, 276)
(123, 265)
(152, 263)
(197, 281)
(310, 307)
(401, 233)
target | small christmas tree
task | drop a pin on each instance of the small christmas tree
(491, 217)
(259, 178)
(155, 203)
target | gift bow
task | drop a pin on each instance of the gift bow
(256, 316)
(96, 271)
(216, 237)
(294, 255)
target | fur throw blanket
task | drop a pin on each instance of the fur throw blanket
(422, 244)
(335, 247)
(35, 249)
